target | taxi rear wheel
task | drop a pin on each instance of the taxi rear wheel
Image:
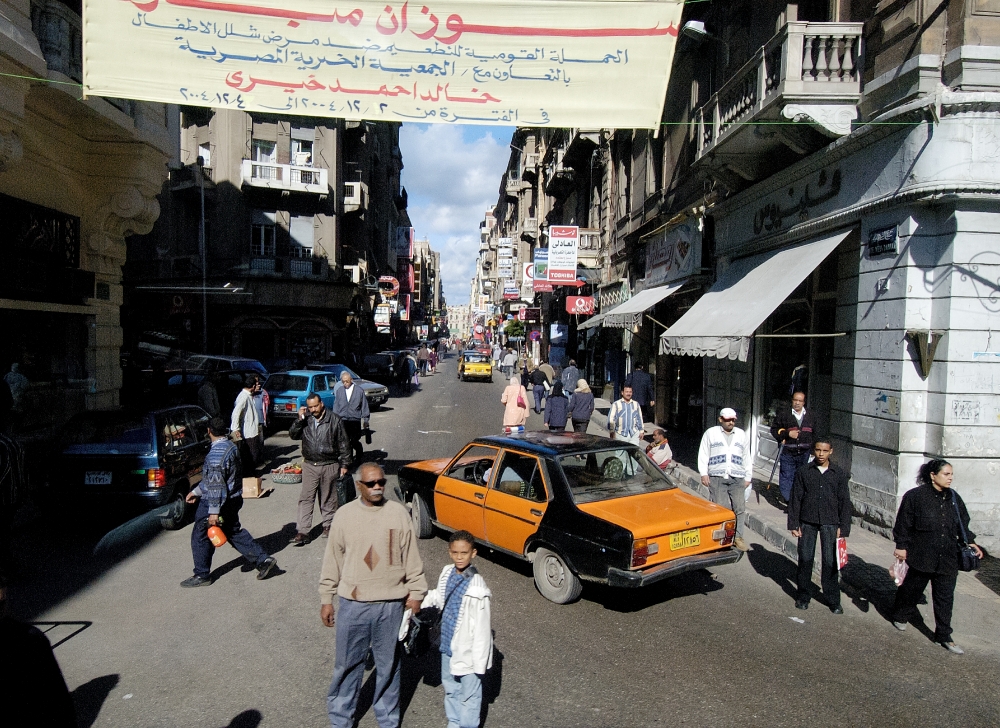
(554, 579)
(421, 516)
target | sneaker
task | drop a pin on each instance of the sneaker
(266, 567)
(196, 581)
(801, 604)
(953, 648)
(326, 532)
(301, 539)
(901, 626)
(741, 544)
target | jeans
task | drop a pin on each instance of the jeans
(463, 696)
(729, 492)
(318, 480)
(202, 549)
(538, 393)
(361, 625)
(942, 595)
(807, 555)
(790, 461)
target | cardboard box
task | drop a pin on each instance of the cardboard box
(252, 488)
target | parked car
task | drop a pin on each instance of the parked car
(148, 458)
(206, 363)
(183, 388)
(288, 392)
(376, 394)
(577, 506)
(379, 368)
(474, 365)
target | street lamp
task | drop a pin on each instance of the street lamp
(695, 30)
(204, 257)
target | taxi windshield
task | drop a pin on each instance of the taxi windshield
(612, 473)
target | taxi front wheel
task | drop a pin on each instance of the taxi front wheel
(554, 579)
(421, 516)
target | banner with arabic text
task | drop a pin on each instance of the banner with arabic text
(562, 63)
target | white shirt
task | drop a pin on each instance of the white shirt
(245, 417)
(799, 415)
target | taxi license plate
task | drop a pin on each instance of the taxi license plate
(97, 477)
(685, 539)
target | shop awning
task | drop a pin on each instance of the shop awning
(628, 314)
(721, 323)
(592, 321)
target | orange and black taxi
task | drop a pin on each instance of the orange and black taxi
(475, 365)
(577, 506)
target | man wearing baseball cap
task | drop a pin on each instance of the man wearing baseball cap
(726, 468)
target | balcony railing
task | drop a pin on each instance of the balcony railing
(807, 71)
(285, 177)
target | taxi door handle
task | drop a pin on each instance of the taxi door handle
(536, 512)
(480, 496)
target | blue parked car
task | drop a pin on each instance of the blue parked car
(289, 390)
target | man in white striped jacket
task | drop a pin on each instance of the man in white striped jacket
(726, 468)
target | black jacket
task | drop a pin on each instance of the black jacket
(642, 386)
(822, 499)
(537, 377)
(581, 406)
(324, 442)
(556, 411)
(785, 420)
(927, 528)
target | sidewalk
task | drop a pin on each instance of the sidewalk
(865, 580)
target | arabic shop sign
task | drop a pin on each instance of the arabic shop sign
(404, 242)
(541, 271)
(671, 253)
(388, 286)
(580, 304)
(564, 241)
(882, 241)
(589, 63)
(797, 205)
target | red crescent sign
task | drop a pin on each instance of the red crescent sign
(388, 285)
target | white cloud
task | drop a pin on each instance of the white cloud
(452, 175)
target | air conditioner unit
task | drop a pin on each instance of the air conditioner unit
(354, 272)
(355, 196)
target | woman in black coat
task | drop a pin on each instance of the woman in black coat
(556, 408)
(581, 406)
(928, 538)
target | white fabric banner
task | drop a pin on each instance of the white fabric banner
(561, 63)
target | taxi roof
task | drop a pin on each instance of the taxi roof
(552, 443)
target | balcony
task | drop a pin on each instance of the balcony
(582, 143)
(355, 196)
(809, 74)
(285, 177)
(529, 229)
(514, 185)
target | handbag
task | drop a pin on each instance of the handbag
(968, 559)
(521, 402)
(425, 626)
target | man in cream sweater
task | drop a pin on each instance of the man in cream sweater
(373, 566)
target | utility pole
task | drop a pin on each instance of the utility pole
(204, 259)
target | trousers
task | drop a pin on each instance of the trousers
(730, 492)
(463, 696)
(321, 481)
(580, 425)
(830, 577)
(360, 626)
(789, 462)
(942, 596)
(202, 549)
(538, 394)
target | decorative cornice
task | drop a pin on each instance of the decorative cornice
(128, 212)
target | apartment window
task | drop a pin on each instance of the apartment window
(263, 151)
(263, 234)
(302, 151)
(205, 152)
(302, 233)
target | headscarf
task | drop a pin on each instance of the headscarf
(557, 389)
(582, 386)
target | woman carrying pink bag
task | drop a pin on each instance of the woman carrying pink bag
(515, 399)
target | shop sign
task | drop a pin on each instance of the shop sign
(383, 316)
(533, 314)
(540, 276)
(558, 333)
(882, 241)
(671, 253)
(511, 292)
(388, 286)
(564, 242)
(404, 242)
(404, 307)
(580, 304)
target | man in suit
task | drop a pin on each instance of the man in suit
(351, 406)
(642, 391)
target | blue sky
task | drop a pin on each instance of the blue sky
(452, 175)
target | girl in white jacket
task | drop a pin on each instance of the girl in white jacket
(466, 634)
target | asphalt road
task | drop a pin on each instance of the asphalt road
(716, 648)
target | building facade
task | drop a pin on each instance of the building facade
(818, 211)
(77, 175)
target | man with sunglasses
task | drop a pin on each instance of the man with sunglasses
(374, 569)
(726, 468)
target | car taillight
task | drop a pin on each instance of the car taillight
(726, 534)
(640, 552)
(289, 406)
(156, 477)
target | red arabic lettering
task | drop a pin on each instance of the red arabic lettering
(354, 17)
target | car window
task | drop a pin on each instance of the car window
(521, 476)
(612, 473)
(475, 359)
(277, 383)
(111, 428)
(474, 465)
(249, 365)
(174, 431)
(319, 383)
(197, 422)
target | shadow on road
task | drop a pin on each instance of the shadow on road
(89, 698)
(701, 581)
(775, 566)
(247, 719)
(272, 543)
(989, 573)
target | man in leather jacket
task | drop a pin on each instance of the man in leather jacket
(326, 451)
(793, 429)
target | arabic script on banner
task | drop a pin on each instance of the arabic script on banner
(582, 63)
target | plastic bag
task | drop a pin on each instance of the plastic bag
(898, 571)
(841, 553)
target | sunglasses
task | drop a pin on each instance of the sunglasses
(372, 483)
(728, 419)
